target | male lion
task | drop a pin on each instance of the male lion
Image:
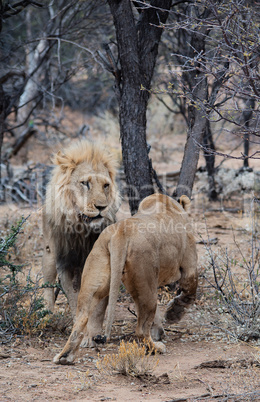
(81, 200)
(154, 247)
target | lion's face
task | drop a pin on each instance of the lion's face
(93, 193)
(83, 189)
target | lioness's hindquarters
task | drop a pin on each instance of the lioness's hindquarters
(150, 249)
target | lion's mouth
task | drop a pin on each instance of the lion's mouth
(89, 219)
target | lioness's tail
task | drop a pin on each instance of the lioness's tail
(188, 283)
(118, 252)
(185, 202)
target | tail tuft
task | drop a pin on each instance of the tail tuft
(177, 307)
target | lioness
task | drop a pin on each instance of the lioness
(81, 200)
(154, 247)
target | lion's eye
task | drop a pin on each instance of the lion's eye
(86, 183)
(106, 185)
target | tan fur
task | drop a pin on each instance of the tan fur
(81, 200)
(154, 247)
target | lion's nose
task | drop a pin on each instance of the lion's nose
(100, 207)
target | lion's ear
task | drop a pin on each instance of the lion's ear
(185, 202)
(63, 161)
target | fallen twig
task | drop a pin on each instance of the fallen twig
(254, 396)
(221, 363)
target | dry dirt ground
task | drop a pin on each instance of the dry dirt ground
(28, 374)
(203, 362)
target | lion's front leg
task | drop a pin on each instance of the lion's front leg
(70, 289)
(95, 323)
(49, 275)
(68, 354)
(88, 302)
(94, 288)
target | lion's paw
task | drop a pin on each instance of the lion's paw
(64, 358)
(160, 347)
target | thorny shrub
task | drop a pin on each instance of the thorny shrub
(22, 309)
(132, 359)
(237, 284)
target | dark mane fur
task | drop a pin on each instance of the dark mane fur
(72, 249)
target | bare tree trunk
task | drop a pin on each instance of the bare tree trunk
(208, 150)
(247, 115)
(34, 60)
(1, 144)
(137, 49)
(197, 126)
(4, 105)
(197, 91)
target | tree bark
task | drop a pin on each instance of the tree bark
(208, 150)
(34, 69)
(4, 105)
(247, 115)
(197, 125)
(1, 144)
(137, 50)
(197, 93)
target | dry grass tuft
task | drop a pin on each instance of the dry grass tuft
(132, 359)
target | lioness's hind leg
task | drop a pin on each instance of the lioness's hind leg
(188, 285)
(146, 304)
(157, 330)
(146, 316)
